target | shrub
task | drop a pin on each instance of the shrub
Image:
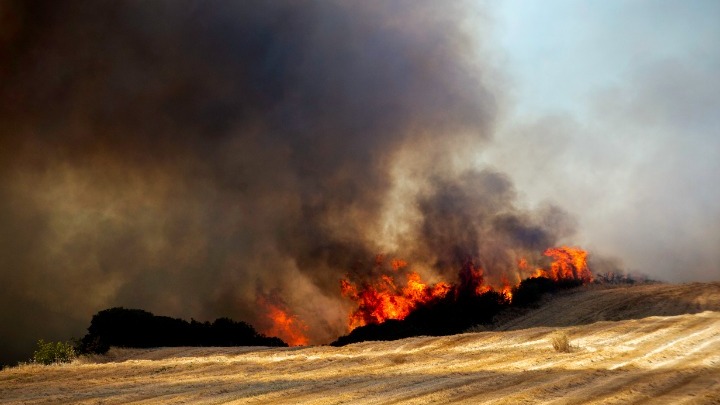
(53, 352)
(561, 342)
(123, 327)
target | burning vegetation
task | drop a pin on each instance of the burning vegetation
(397, 302)
(281, 322)
(382, 299)
(288, 174)
(386, 311)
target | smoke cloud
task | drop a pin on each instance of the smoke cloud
(183, 157)
(618, 125)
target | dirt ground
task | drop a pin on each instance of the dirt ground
(669, 359)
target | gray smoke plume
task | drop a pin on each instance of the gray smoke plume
(180, 156)
(473, 216)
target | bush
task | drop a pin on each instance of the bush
(123, 327)
(53, 352)
(561, 342)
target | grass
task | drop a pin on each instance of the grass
(561, 342)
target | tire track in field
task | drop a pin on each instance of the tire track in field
(658, 359)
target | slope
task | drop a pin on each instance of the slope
(595, 303)
(657, 359)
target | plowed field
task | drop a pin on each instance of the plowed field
(673, 359)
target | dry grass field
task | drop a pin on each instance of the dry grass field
(652, 344)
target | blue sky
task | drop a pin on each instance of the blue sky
(562, 51)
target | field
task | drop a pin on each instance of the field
(649, 344)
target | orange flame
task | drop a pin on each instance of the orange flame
(287, 327)
(506, 288)
(539, 273)
(398, 264)
(570, 263)
(381, 299)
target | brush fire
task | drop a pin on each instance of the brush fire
(396, 290)
(281, 323)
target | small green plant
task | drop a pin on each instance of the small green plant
(53, 352)
(561, 342)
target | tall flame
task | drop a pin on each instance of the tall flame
(569, 262)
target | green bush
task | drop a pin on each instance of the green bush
(53, 352)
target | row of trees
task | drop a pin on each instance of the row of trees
(455, 313)
(137, 328)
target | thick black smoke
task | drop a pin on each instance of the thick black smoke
(179, 156)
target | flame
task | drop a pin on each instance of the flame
(506, 289)
(398, 264)
(472, 278)
(287, 327)
(539, 273)
(570, 263)
(524, 267)
(382, 299)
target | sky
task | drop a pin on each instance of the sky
(614, 116)
(197, 159)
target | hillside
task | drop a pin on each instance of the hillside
(657, 359)
(595, 303)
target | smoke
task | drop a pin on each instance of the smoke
(636, 170)
(619, 126)
(474, 215)
(181, 156)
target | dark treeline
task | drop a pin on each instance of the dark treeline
(456, 313)
(123, 327)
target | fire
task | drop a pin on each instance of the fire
(398, 264)
(287, 327)
(539, 273)
(506, 288)
(570, 263)
(382, 299)
(472, 277)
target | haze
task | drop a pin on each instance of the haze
(189, 157)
